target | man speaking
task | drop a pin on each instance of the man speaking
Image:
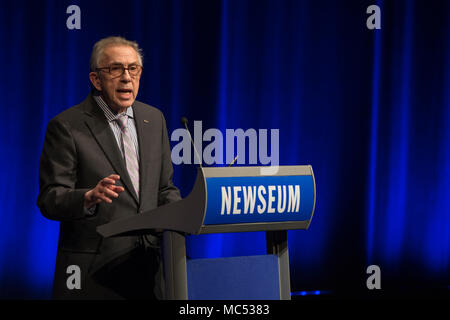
(105, 159)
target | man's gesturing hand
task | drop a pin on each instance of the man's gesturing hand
(103, 191)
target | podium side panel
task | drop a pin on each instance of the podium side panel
(174, 260)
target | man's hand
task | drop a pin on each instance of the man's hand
(103, 191)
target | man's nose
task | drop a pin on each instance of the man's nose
(125, 76)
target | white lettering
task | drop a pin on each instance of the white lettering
(294, 198)
(271, 200)
(191, 310)
(261, 207)
(282, 207)
(226, 200)
(249, 198)
(237, 200)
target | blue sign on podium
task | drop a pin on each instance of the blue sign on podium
(241, 195)
(259, 199)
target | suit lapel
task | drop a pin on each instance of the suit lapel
(98, 124)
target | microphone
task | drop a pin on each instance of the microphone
(184, 121)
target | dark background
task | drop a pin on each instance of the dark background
(368, 109)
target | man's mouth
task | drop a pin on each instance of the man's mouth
(124, 93)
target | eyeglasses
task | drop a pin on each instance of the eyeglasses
(117, 70)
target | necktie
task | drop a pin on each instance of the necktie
(129, 152)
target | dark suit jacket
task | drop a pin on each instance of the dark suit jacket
(79, 150)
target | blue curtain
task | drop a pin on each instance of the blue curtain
(368, 109)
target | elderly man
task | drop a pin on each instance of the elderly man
(105, 159)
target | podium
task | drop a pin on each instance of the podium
(230, 199)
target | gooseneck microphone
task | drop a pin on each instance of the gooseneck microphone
(184, 121)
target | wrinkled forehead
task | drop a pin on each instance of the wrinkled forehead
(119, 54)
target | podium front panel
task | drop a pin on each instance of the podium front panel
(242, 199)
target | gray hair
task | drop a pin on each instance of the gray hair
(102, 44)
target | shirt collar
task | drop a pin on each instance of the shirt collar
(110, 114)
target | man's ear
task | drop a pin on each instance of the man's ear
(95, 80)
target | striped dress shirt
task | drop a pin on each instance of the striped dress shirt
(111, 117)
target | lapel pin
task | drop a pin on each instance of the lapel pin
(146, 121)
